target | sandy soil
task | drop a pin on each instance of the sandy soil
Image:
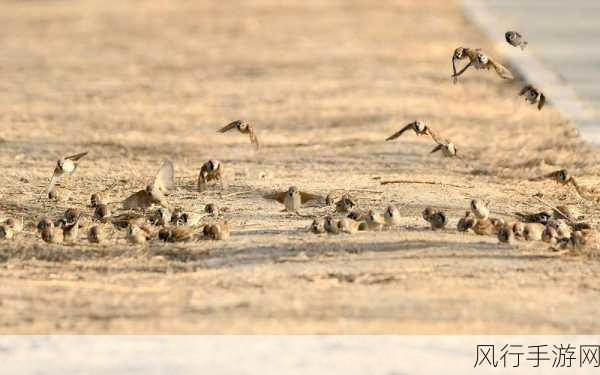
(135, 83)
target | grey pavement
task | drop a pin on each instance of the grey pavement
(563, 55)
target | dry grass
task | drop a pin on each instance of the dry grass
(138, 82)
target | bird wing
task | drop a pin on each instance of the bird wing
(399, 132)
(541, 102)
(501, 70)
(306, 197)
(436, 138)
(278, 196)
(77, 156)
(141, 199)
(436, 149)
(165, 178)
(253, 136)
(525, 89)
(228, 127)
(56, 175)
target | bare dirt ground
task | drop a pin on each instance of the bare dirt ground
(325, 82)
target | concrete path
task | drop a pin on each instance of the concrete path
(563, 37)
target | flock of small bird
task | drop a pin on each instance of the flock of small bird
(146, 214)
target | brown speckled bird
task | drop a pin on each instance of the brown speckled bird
(244, 128)
(515, 39)
(217, 231)
(156, 191)
(417, 126)
(212, 170)
(533, 96)
(293, 198)
(478, 60)
(65, 166)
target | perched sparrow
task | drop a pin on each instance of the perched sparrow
(15, 224)
(533, 96)
(549, 234)
(58, 193)
(391, 216)
(176, 234)
(52, 235)
(244, 128)
(179, 217)
(448, 149)
(317, 226)
(518, 229)
(293, 198)
(44, 223)
(71, 231)
(65, 166)
(161, 217)
(478, 60)
(418, 127)
(128, 219)
(515, 39)
(479, 209)
(217, 231)
(357, 215)
(137, 236)
(97, 199)
(331, 225)
(466, 222)
(102, 212)
(533, 231)
(212, 170)
(6, 232)
(345, 204)
(330, 199)
(563, 230)
(539, 217)
(486, 227)
(506, 234)
(70, 216)
(346, 225)
(375, 221)
(95, 234)
(212, 209)
(437, 219)
(155, 191)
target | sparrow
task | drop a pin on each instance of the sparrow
(549, 234)
(375, 220)
(478, 60)
(562, 177)
(97, 199)
(95, 234)
(6, 232)
(217, 231)
(357, 215)
(448, 149)
(518, 229)
(58, 193)
(160, 217)
(101, 213)
(533, 96)
(391, 216)
(44, 223)
(70, 216)
(175, 234)
(212, 209)
(417, 126)
(345, 204)
(52, 235)
(244, 128)
(128, 219)
(346, 225)
(179, 217)
(317, 226)
(479, 209)
(331, 225)
(212, 170)
(330, 199)
(540, 217)
(156, 191)
(533, 231)
(16, 225)
(65, 166)
(515, 39)
(486, 227)
(563, 230)
(506, 235)
(293, 198)
(466, 222)
(437, 219)
(71, 231)
(137, 236)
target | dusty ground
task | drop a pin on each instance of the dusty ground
(135, 83)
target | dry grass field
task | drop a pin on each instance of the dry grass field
(325, 82)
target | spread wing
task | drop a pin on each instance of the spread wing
(54, 179)
(77, 156)
(307, 197)
(501, 70)
(541, 102)
(436, 138)
(229, 126)
(141, 199)
(552, 176)
(525, 89)
(165, 178)
(278, 196)
(399, 132)
(253, 136)
(436, 149)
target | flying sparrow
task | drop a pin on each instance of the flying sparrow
(479, 209)
(515, 39)
(175, 234)
(478, 60)
(448, 149)
(217, 231)
(65, 166)
(417, 126)
(6, 232)
(437, 219)
(391, 216)
(293, 198)
(466, 222)
(95, 234)
(533, 96)
(155, 191)
(212, 170)
(244, 128)
(375, 220)
(331, 225)
(346, 225)
(317, 226)
(562, 177)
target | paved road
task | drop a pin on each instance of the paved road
(564, 36)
